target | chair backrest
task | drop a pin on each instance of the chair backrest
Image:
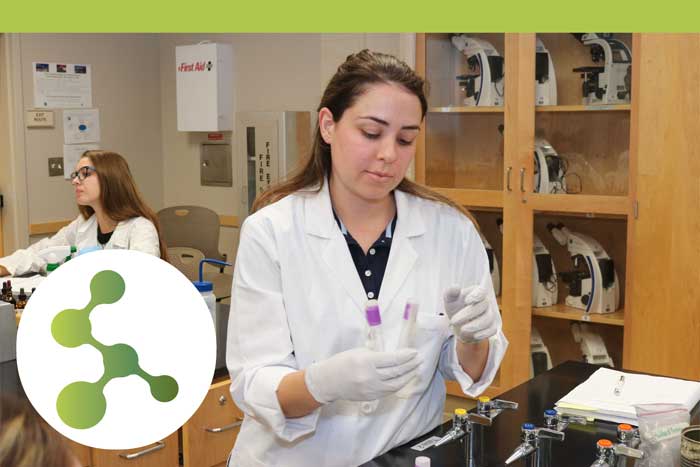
(193, 227)
(186, 260)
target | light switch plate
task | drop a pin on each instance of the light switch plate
(55, 166)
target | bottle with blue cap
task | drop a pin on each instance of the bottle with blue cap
(206, 288)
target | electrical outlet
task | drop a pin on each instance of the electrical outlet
(55, 166)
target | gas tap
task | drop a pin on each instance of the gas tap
(629, 436)
(468, 427)
(531, 449)
(610, 455)
(556, 421)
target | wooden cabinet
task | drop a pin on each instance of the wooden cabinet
(204, 441)
(81, 452)
(161, 454)
(208, 437)
(626, 170)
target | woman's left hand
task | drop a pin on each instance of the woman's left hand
(471, 317)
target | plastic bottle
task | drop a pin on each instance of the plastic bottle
(56, 254)
(72, 254)
(206, 288)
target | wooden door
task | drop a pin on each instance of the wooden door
(517, 234)
(662, 332)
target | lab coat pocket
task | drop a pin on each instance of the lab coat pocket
(120, 244)
(431, 331)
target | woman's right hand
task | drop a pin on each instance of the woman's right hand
(361, 374)
(4, 271)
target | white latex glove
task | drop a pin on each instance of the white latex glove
(470, 316)
(361, 374)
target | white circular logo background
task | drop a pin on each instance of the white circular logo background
(160, 315)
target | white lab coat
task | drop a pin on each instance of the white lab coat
(137, 233)
(297, 298)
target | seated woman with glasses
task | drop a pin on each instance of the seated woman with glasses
(113, 215)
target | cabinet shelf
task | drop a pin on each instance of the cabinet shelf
(465, 110)
(473, 198)
(584, 108)
(581, 204)
(561, 311)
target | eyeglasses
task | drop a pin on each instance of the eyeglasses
(82, 173)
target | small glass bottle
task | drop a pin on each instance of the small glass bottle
(10, 297)
(21, 300)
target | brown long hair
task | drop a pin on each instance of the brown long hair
(119, 197)
(351, 80)
(26, 440)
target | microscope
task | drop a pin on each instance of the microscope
(545, 77)
(550, 169)
(593, 284)
(467, 428)
(612, 82)
(540, 359)
(592, 345)
(484, 81)
(544, 276)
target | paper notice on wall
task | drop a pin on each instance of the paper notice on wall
(72, 154)
(62, 85)
(81, 126)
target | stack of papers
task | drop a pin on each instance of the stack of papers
(597, 398)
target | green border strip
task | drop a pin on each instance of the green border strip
(349, 16)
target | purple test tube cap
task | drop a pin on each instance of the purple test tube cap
(372, 313)
(410, 307)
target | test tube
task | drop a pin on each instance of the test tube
(374, 338)
(374, 342)
(407, 339)
(408, 326)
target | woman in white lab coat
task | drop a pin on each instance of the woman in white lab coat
(113, 215)
(300, 368)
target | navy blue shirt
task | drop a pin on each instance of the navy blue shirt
(371, 266)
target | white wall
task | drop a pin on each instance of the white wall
(5, 170)
(271, 72)
(126, 90)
